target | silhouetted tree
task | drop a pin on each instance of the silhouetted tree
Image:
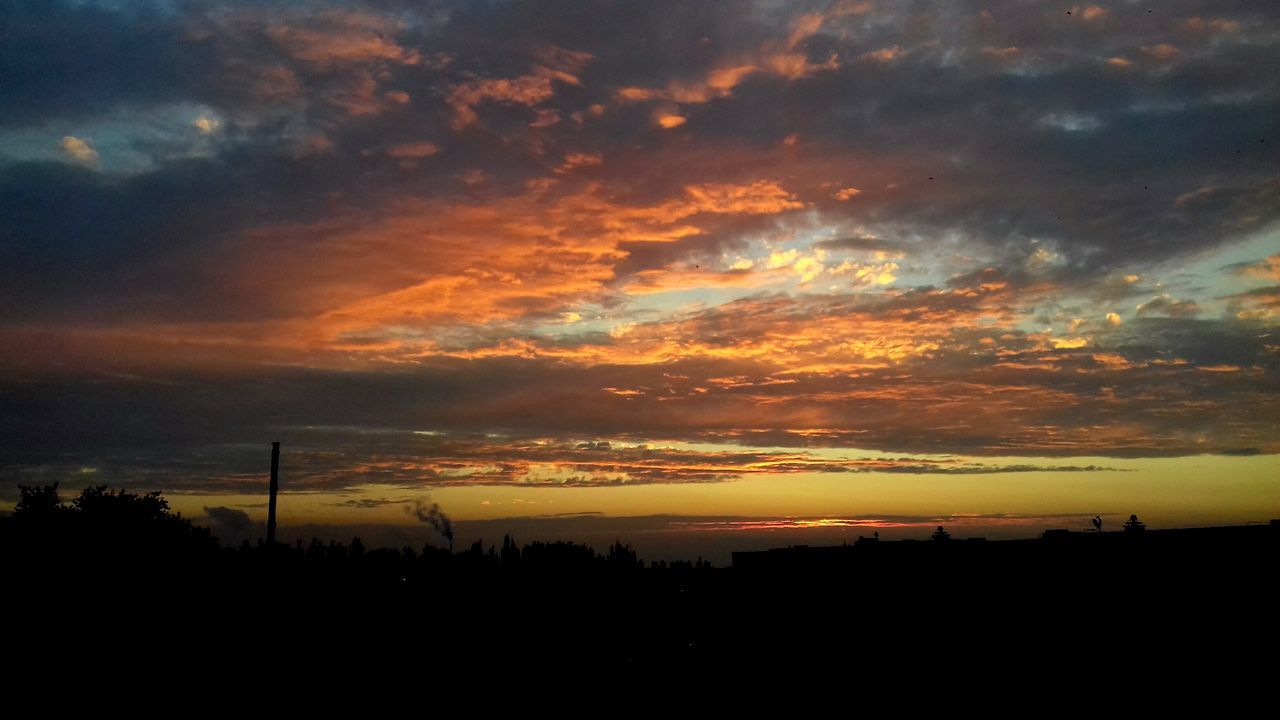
(622, 556)
(102, 502)
(35, 501)
(510, 552)
(103, 534)
(101, 517)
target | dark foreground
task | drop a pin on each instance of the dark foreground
(1078, 600)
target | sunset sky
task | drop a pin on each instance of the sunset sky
(699, 275)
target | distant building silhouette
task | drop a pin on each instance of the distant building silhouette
(1134, 526)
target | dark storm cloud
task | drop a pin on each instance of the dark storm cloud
(1199, 342)
(865, 243)
(76, 245)
(69, 60)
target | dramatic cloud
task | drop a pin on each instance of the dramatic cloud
(529, 90)
(728, 239)
(1267, 268)
(331, 461)
(1166, 305)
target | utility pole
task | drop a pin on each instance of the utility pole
(275, 488)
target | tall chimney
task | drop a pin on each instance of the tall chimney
(275, 488)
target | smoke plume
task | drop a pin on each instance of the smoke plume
(433, 516)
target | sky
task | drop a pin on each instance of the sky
(699, 275)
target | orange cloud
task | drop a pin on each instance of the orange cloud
(545, 118)
(781, 58)
(422, 149)
(762, 196)
(573, 161)
(1163, 52)
(561, 64)
(884, 55)
(527, 90)
(671, 121)
(297, 59)
(79, 150)
(1199, 24)
(1267, 268)
(718, 83)
(206, 125)
(803, 27)
(801, 335)
(388, 281)
(1090, 13)
(340, 38)
(647, 282)
(868, 273)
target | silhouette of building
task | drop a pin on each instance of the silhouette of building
(1134, 526)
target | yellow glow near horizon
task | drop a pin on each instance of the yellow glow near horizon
(1166, 492)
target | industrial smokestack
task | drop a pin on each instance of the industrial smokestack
(275, 488)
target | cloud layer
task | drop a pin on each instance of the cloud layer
(981, 229)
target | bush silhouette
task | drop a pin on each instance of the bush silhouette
(101, 524)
